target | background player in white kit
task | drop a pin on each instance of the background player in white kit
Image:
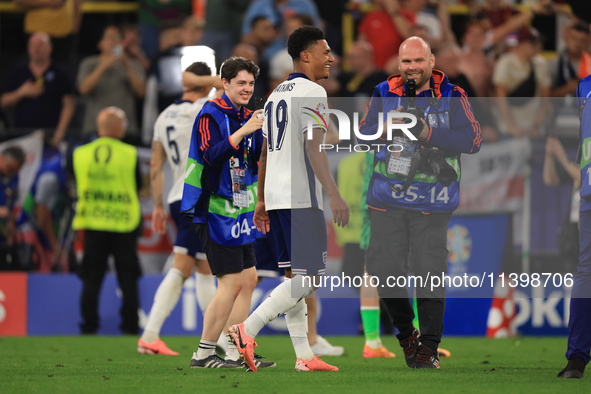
(172, 136)
(292, 172)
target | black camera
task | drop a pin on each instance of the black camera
(444, 172)
(432, 156)
(259, 103)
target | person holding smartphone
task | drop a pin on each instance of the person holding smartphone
(111, 78)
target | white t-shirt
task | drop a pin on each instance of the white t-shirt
(290, 182)
(173, 130)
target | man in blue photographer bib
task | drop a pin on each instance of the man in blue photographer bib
(579, 322)
(414, 190)
(220, 194)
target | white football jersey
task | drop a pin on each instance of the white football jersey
(290, 182)
(173, 130)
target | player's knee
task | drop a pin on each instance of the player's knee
(184, 263)
(249, 282)
(230, 284)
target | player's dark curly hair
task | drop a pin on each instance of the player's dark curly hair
(231, 67)
(199, 68)
(302, 39)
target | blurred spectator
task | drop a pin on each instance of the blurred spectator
(281, 64)
(191, 31)
(428, 20)
(11, 161)
(152, 13)
(41, 91)
(503, 34)
(277, 11)
(60, 19)
(474, 62)
(385, 29)
(169, 36)
(111, 79)
(246, 51)
(560, 170)
(479, 40)
(363, 74)
(497, 11)
(573, 62)
(520, 78)
(261, 35)
(223, 21)
(108, 210)
(40, 210)
(132, 44)
(160, 93)
(448, 61)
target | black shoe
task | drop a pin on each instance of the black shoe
(257, 361)
(410, 348)
(426, 358)
(574, 369)
(213, 361)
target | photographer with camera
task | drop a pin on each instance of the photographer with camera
(413, 192)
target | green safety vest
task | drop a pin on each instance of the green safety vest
(350, 180)
(106, 185)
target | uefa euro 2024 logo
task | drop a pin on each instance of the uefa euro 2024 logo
(459, 244)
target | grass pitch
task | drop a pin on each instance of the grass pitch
(111, 365)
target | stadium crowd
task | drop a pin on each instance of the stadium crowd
(509, 58)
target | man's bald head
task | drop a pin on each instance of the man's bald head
(111, 122)
(416, 61)
(415, 43)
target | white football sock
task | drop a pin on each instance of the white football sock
(204, 290)
(297, 324)
(165, 299)
(282, 299)
(374, 343)
(223, 342)
(206, 349)
(232, 353)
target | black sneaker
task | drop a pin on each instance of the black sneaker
(264, 364)
(213, 361)
(426, 358)
(574, 369)
(257, 361)
(410, 348)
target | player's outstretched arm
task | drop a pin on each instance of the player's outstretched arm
(261, 217)
(191, 81)
(157, 184)
(319, 162)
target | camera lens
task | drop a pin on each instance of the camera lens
(444, 173)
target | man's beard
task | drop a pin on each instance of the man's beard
(420, 80)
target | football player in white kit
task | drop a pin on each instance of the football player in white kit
(292, 173)
(172, 135)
